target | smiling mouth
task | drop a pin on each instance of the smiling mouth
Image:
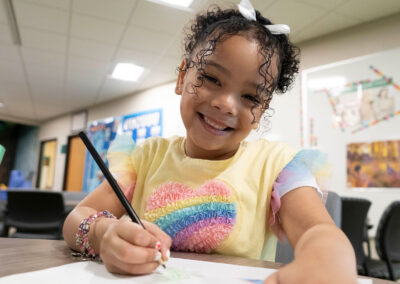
(214, 125)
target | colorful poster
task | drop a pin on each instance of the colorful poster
(100, 133)
(362, 104)
(375, 164)
(141, 126)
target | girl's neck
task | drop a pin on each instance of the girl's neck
(204, 154)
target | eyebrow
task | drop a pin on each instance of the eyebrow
(226, 71)
(219, 67)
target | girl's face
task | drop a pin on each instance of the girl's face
(222, 112)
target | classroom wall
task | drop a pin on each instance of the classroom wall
(373, 37)
(159, 97)
(26, 157)
(285, 124)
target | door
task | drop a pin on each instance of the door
(48, 150)
(75, 164)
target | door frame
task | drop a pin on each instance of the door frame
(40, 159)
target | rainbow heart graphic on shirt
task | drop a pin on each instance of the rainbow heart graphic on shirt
(197, 220)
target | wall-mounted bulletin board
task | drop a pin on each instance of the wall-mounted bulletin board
(351, 110)
(140, 125)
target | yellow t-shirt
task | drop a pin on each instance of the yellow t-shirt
(219, 206)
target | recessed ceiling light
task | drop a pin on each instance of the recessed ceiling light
(174, 3)
(1, 104)
(127, 72)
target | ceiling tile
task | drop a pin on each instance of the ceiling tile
(3, 17)
(25, 111)
(48, 107)
(43, 58)
(43, 40)
(168, 65)
(9, 53)
(84, 64)
(117, 11)
(330, 23)
(369, 9)
(13, 92)
(41, 17)
(156, 78)
(5, 35)
(331, 4)
(145, 39)
(94, 29)
(11, 72)
(91, 49)
(116, 88)
(176, 48)
(296, 15)
(61, 4)
(159, 17)
(45, 81)
(138, 57)
(83, 84)
(202, 5)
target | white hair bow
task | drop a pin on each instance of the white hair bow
(247, 11)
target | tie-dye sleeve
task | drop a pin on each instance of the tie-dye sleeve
(121, 165)
(307, 168)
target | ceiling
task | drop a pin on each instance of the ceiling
(70, 47)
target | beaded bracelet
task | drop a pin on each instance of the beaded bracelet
(82, 239)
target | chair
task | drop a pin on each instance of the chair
(34, 214)
(354, 215)
(284, 251)
(387, 243)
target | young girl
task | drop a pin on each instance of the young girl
(211, 191)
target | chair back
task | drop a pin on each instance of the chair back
(34, 210)
(388, 233)
(354, 215)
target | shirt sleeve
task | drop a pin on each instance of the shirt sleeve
(307, 168)
(121, 164)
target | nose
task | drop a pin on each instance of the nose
(225, 102)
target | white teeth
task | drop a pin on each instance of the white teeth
(213, 124)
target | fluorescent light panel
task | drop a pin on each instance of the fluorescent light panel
(127, 72)
(174, 3)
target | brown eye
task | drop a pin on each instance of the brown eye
(211, 79)
(253, 99)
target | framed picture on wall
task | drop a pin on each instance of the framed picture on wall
(375, 164)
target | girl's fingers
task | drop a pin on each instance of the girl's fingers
(135, 269)
(136, 235)
(164, 239)
(133, 254)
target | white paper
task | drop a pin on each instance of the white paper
(178, 271)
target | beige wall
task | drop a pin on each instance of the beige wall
(360, 40)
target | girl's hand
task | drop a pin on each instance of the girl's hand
(306, 272)
(127, 248)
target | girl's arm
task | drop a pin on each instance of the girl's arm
(323, 254)
(123, 245)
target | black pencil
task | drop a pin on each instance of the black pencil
(113, 183)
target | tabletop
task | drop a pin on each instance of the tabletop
(25, 255)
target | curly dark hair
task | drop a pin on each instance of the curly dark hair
(216, 25)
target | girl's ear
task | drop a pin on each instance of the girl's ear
(181, 77)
